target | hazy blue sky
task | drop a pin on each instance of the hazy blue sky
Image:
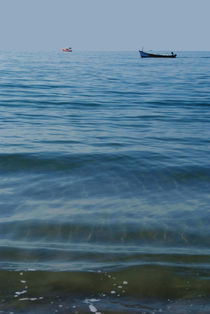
(105, 24)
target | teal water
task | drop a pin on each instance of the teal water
(104, 183)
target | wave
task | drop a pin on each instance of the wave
(139, 233)
(146, 161)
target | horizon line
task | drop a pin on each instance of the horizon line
(98, 50)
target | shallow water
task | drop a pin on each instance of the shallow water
(105, 183)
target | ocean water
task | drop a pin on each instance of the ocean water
(104, 183)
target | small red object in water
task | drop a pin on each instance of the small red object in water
(67, 50)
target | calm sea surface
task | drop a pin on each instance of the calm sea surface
(104, 183)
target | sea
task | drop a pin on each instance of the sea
(104, 183)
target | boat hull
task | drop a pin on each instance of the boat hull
(67, 50)
(152, 55)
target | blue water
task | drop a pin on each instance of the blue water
(104, 183)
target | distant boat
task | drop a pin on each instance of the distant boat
(67, 49)
(154, 55)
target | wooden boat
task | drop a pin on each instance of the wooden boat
(67, 49)
(153, 55)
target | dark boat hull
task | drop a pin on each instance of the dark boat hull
(152, 55)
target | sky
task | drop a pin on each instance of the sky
(176, 25)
